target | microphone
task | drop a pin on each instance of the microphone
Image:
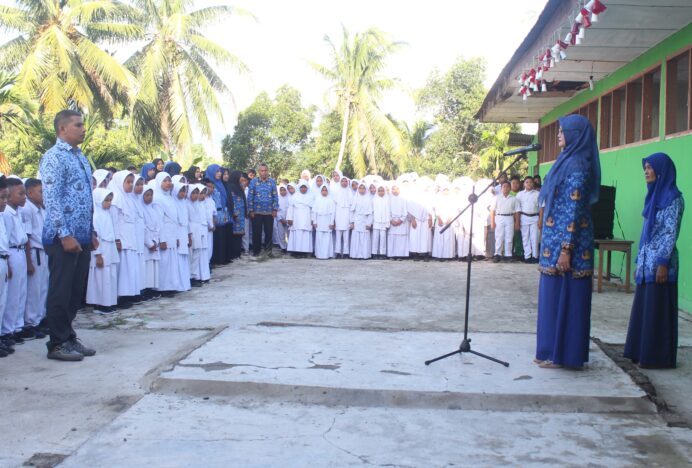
(524, 149)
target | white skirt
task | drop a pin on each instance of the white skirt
(151, 274)
(419, 238)
(443, 244)
(199, 266)
(129, 273)
(300, 241)
(169, 278)
(397, 245)
(324, 245)
(184, 272)
(102, 286)
(361, 244)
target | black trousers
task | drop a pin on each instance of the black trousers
(68, 273)
(221, 254)
(259, 223)
(236, 245)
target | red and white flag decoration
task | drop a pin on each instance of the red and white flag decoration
(534, 78)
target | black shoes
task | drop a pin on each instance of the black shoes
(27, 334)
(104, 310)
(497, 259)
(65, 352)
(77, 345)
(195, 283)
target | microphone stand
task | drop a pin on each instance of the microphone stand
(465, 346)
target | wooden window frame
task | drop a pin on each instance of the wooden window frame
(668, 83)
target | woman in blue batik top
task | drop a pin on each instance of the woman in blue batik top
(566, 253)
(652, 337)
(239, 213)
(222, 219)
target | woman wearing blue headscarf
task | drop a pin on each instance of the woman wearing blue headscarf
(172, 168)
(148, 172)
(652, 337)
(567, 246)
(222, 218)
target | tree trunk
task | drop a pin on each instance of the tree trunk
(344, 132)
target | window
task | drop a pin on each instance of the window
(678, 90)
(547, 136)
(631, 113)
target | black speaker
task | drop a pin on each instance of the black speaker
(603, 213)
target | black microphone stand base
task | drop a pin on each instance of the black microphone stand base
(465, 347)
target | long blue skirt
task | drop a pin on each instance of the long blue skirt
(652, 336)
(564, 320)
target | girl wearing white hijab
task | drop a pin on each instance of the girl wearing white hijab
(485, 243)
(102, 285)
(323, 212)
(381, 220)
(342, 218)
(397, 236)
(152, 228)
(280, 223)
(299, 219)
(140, 227)
(335, 183)
(361, 224)
(444, 243)
(209, 208)
(199, 266)
(421, 222)
(184, 237)
(125, 216)
(169, 278)
(100, 179)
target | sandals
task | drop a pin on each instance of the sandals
(549, 365)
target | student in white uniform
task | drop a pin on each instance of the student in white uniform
(15, 302)
(503, 214)
(280, 223)
(420, 224)
(397, 236)
(342, 219)
(33, 215)
(184, 239)
(6, 343)
(298, 216)
(199, 266)
(169, 279)
(361, 224)
(381, 219)
(323, 212)
(140, 228)
(100, 178)
(209, 209)
(102, 283)
(527, 206)
(124, 214)
(444, 243)
(152, 227)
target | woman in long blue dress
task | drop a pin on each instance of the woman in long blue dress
(239, 213)
(652, 336)
(567, 247)
(222, 218)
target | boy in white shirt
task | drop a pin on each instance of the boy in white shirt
(527, 206)
(33, 214)
(15, 303)
(6, 343)
(503, 221)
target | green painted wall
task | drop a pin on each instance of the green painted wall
(622, 168)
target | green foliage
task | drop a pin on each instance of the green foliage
(373, 140)
(271, 131)
(111, 146)
(457, 138)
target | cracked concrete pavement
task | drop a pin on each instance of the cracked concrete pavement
(109, 407)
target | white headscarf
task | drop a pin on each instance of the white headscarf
(164, 199)
(283, 201)
(323, 205)
(103, 222)
(397, 204)
(343, 196)
(99, 176)
(380, 207)
(151, 216)
(362, 204)
(124, 201)
(302, 199)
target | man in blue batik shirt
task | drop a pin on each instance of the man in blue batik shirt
(263, 204)
(67, 233)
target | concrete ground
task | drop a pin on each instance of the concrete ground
(82, 413)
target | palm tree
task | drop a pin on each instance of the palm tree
(491, 157)
(56, 57)
(178, 86)
(358, 85)
(15, 108)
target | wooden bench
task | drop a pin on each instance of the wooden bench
(609, 246)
